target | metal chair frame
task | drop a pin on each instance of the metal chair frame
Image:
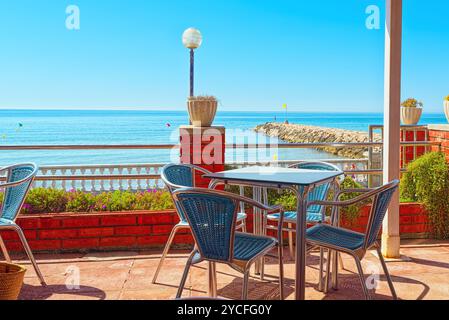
(12, 226)
(242, 266)
(182, 225)
(359, 253)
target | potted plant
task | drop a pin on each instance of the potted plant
(411, 111)
(446, 107)
(202, 110)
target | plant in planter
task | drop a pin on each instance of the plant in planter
(446, 107)
(202, 110)
(411, 111)
(427, 181)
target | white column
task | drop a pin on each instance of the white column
(393, 50)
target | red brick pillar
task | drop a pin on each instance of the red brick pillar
(204, 147)
(440, 133)
(408, 154)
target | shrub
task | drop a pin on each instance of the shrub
(79, 201)
(43, 200)
(351, 213)
(427, 181)
(412, 103)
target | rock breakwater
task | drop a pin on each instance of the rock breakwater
(295, 133)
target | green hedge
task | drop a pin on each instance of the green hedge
(427, 182)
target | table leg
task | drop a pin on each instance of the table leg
(301, 226)
(256, 223)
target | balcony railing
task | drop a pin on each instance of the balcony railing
(135, 177)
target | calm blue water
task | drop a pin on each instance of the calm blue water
(55, 127)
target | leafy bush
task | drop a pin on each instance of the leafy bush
(412, 103)
(427, 181)
(351, 213)
(43, 200)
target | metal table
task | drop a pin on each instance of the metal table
(300, 181)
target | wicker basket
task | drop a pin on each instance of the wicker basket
(11, 280)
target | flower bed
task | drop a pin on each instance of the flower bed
(44, 200)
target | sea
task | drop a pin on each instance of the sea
(116, 127)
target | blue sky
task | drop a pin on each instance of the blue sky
(256, 55)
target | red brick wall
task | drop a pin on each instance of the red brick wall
(442, 138)
(102, 231)
(413, 221)
(145, 230)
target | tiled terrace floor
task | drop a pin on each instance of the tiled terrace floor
(127, 275)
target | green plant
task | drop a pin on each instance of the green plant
(351, 213)
(427, 181)
(42, 200)
(412, 103)
(79, 201)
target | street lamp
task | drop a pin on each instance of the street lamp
(192, 40)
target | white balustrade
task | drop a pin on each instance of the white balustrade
(134, 177)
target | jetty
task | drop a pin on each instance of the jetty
(297, 133)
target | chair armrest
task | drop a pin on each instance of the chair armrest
(368, 193)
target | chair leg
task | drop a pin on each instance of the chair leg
(30, 255)
(184, 275)
(244, 230)
(281, 272)
(165, 252)
(290, 241)
(335, 270)
(362, 278)
(328, 270)
(5, 250)
(340, 262)
(212, 279)
(245, 285)
(320, 283)
(387, 273)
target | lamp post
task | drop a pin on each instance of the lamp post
(192, 40)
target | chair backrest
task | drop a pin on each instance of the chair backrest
(212, 218)
(321, 192)
(19, 177)
(177, 176)
(381, 201)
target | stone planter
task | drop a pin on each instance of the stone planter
(202, 112)
(446, 109)
(410, 116)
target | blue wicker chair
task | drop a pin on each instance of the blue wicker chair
(212, 216)
(315, 214)
(178, 176)
(18, 181)
(336, 239)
